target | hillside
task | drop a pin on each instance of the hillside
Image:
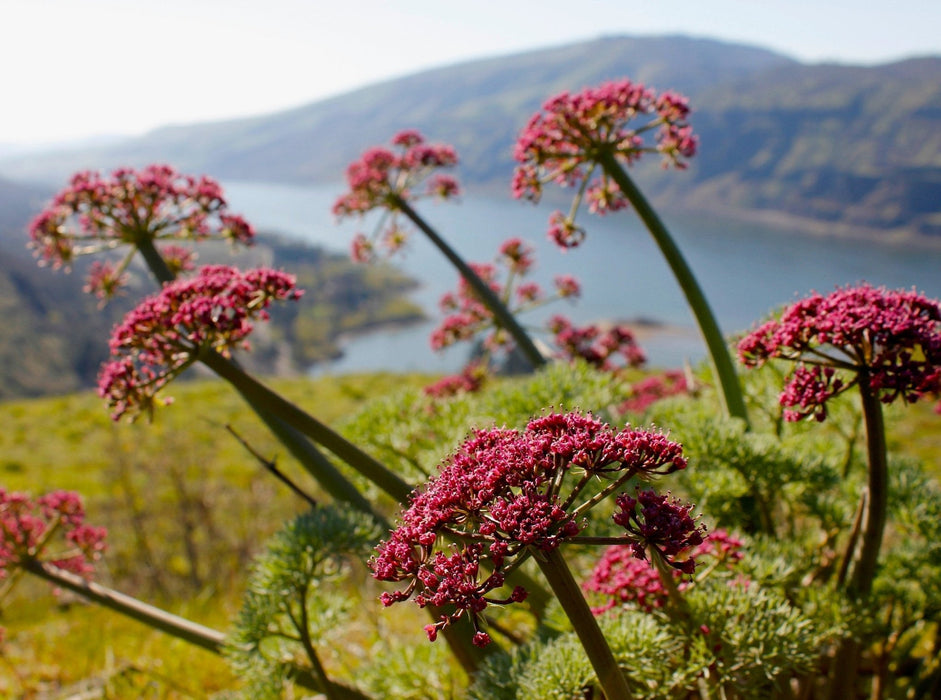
(827, 147)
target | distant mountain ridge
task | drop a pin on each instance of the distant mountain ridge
(839, 148)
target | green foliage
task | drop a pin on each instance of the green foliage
(408, 671)
(293, 603)
(656, 659)
(758, 639)
(412, 433)
(752, 481)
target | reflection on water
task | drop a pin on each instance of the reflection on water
(745, 271)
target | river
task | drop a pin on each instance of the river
(745, 270)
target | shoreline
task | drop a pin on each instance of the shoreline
(785, 223)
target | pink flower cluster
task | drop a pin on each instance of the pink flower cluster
(383, 178)
(499, 498)
(166, 332)
(53, 524)
(562, 142)
(97, 213)
(889, 339)
(648, 391)
(470, 380)
(598, 346)
(623, 578)
(467, 317)
(661, 523)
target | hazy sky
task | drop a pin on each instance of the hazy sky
(76, 68)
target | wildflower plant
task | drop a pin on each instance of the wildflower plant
(610, 347)
(680, 610)
(169, 331)
(587, 140)
(140, 209)
(48, 531)
(562, 143)
(885, 343)
(291, 606)
(505, 496)
(382, 179)
(52, 528)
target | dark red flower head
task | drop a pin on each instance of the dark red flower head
(155, 204)
(562, 142)
(889, 339)
(383, 178)
(167, 331)
(502, 495)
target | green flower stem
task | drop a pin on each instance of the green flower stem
(678, 609)
(501, 313)
(179, 627)
(156, 263)
(846, 661)
(563, 584)
(865, 570)
(731, 390)
(317, 465)
(267, 402)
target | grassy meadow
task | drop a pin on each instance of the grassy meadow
(187, 507)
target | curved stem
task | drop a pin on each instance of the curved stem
(293, 426)
(865, 571)
(187, 630)
(303, 627)
(560, 578)
(501, 313)
(731, 391)
(204, 637)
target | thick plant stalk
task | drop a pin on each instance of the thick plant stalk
(865, 570)
(501, 314)
(293, 427)
(566, 589)
(846, 662)
(731, 391)
(318, 466)
(187, 630)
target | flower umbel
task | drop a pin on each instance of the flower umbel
(52, 526)
(382, 178)
(561, 144)
(501, 498)
(889, 339)
(609, 348)
(468, 317)
(98, 213)
(622, 578)
(166, 332)
(660, 523)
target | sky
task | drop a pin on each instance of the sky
(76, 69)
